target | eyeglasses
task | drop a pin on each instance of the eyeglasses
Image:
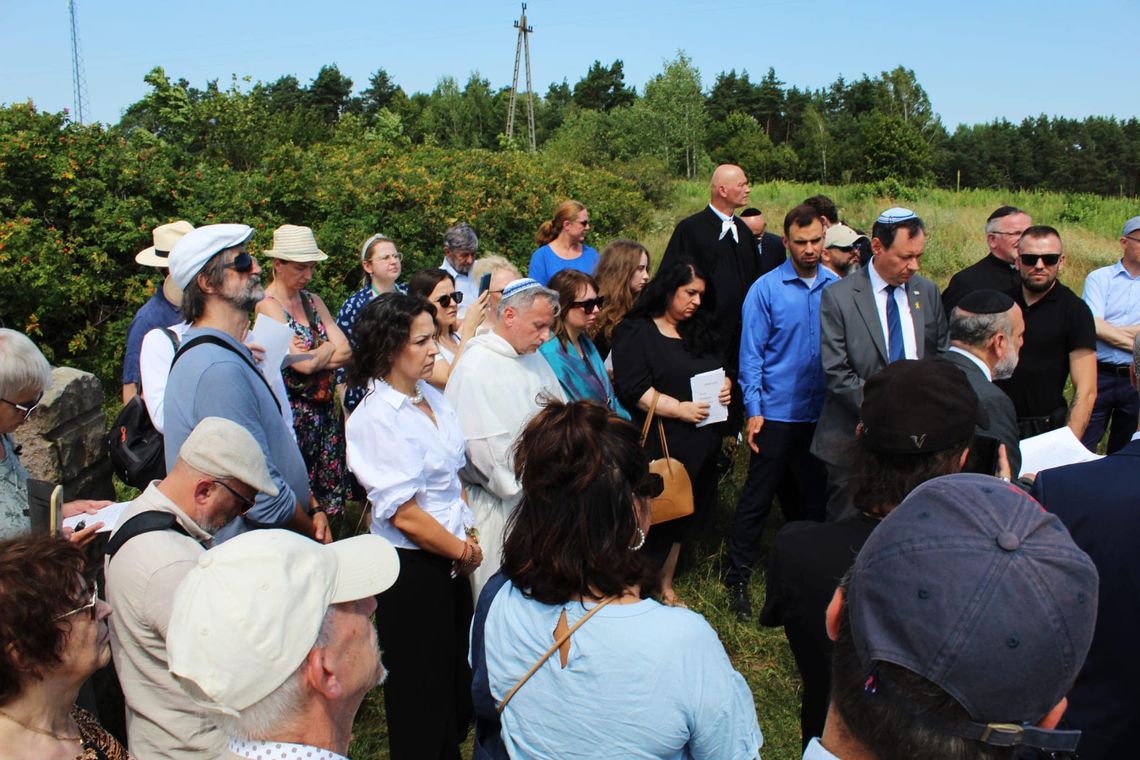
(1016, 233)
(388, 256)
(242, 263)
(590, 305)
(652, 486)
(248, 502)
(25, 409)
(1134, 240)
(446, 299)
(92, 605)
(1031, 259)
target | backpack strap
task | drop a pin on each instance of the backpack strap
(143, 522)
(215, 340)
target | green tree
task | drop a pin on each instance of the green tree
(893, 149)
(675, 99)
(380, 93)
(603, 88)
(329, 93)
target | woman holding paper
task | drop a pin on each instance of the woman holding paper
(664, 341)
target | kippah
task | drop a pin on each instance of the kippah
(1001, 211)
(896, 215)
(986, 302)
(750, 211)
(517, 286)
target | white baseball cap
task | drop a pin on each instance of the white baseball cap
(245, 618)
(198, 246)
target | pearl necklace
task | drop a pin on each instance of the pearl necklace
(416, 399)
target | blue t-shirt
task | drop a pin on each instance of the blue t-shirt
(641, 680)
(545, 263)
(157, 312)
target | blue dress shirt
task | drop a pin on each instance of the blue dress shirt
(1114, 296)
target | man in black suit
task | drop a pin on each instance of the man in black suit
(986, 332)
(769, 246)
(723, 249)
(1097, 502)
(998, 270)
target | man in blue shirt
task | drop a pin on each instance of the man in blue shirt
(781, 379)
(1113, 295)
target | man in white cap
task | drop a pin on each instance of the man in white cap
(214, 374)
(162, 310)
(219, 470)
(497, 386)
(841, 250)
(272, 631)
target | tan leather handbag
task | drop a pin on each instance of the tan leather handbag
(677, 498)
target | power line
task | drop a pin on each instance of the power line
(523, 44)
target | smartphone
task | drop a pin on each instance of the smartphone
(484, 283)
(983, 456)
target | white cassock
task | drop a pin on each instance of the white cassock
(495, 391)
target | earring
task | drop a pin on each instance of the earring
(640, 540)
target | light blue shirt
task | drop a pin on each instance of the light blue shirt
(545, 263)
(781, 376)
(641, 681)
(1114, 296)
(816, 751)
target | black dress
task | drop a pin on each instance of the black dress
(644, 358)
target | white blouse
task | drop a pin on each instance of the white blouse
(397, 454)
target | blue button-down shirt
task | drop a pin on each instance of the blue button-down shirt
(1114, 296)
(781, 375)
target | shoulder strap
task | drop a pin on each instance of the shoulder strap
(557, 643)
(143, 522)
(215, 340)
(649, 416)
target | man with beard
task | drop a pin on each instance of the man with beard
(214, 375)
(460, 244)
(1060, 341)
(219, 470)
(986, 333)
(841, 249)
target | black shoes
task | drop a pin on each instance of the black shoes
(739, 601)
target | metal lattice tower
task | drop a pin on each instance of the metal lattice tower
(78, 80)
(523, 44)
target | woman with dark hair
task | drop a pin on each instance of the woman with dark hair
(561, 243)
(569, 351)
(437, 287)
(405, 447)
(623, 271)
(54, 628)
(661, 344)
(635, 678)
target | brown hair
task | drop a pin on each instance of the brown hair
(567, 282)
(552, 228)
(37, 585)
(616, 266)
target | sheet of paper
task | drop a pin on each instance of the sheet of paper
(1053, 449)
(275, 337)
(108, 515)
(706, 387)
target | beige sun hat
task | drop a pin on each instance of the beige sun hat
(295, 243)
(164, 237)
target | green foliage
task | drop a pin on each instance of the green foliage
(603, 88)
(893, 149)
(674, 98)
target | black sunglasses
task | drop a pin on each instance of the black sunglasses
(844, 248)
(446, 299)
(243, 499)
(652, 486)
(243, 263)
(589, 305)
(1031, 259)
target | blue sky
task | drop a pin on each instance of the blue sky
(977, 60)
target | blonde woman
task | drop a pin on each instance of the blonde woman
(561, 243)
(622, 273)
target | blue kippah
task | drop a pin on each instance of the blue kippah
(896, 215)
(517, 286)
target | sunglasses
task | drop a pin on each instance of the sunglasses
(590, 305)
(25, 409)
(242, 263)
(844, 248)
(91, 605)
(652, 486)
(248, 502)
(1031, 259)
(446, 299)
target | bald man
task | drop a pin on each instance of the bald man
(723, 249)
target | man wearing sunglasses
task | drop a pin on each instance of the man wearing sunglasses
(214, 375)
(840, 251)
(217, 474)
(1060, 342)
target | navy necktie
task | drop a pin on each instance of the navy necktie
(895, 350)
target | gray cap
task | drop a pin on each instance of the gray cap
(972, 585)
(1131, 226)
(223, 449)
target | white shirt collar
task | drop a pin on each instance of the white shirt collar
(280, 751)
(816, 751)
(877, 282)
(980, 364)
(722, 217)
(388, 393)
(446, 266)
(1136, 436)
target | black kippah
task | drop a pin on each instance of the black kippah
(986, 302)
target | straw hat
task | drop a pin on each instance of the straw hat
(294, 243)
(164, 236)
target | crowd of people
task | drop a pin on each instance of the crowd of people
(498, 431)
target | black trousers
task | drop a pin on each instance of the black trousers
(784, 453)
(423, 624)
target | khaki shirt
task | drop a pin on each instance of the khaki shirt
(162, 721)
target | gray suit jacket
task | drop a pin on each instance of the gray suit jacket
(853, 348)
(999, 408)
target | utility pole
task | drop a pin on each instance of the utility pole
(523, 44)
(78, 80)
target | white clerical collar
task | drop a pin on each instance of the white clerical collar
(980, 364)
(1136, 436)
(257, 750)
